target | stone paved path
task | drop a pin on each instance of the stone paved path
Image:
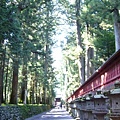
(53, 114)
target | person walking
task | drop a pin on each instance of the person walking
(61, 105)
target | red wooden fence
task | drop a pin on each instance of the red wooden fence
(102, 79)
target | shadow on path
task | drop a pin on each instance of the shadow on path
(53, 114)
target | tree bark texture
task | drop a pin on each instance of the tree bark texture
(6, 81)
(82, 69)
(24, 84)
(81, 64)
(78, 22)
(1, 78)
(13, 99)
(117, 28)
(1, 85)
(90, 66)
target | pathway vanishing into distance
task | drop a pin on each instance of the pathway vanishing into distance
(53, 114)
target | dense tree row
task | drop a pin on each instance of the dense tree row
(27, 28)
(26, 72)
(95, 39)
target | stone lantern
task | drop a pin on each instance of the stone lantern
(81, 108)
(100, 108)
(89, 102)
(73, 108)
(78, 106)
(89, 107)
(114, 96)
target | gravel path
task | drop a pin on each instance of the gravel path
(53, 114)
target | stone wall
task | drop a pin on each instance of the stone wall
(21, 112)
(10, 113)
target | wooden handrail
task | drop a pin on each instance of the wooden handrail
(103, 78)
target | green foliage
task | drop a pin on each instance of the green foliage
(71, 54)
(105, 45)
(96, 30)
(26, 28)
(30, 110)
(26, 35)
(99, 21)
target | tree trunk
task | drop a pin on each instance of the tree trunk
(1, 78)
(6, 81)
(36, 81)
(24, 84)
(1, 84)
(33, 91)
(83, 69)
(90, 66)
(117, 28)
(78, 23)
(13, 99)
(81, 64)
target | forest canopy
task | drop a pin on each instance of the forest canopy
(27, 30)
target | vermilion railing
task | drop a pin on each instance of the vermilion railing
(102, 79)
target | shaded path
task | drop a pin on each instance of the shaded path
(53, 114)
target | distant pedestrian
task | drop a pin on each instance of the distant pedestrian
(61, 105)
